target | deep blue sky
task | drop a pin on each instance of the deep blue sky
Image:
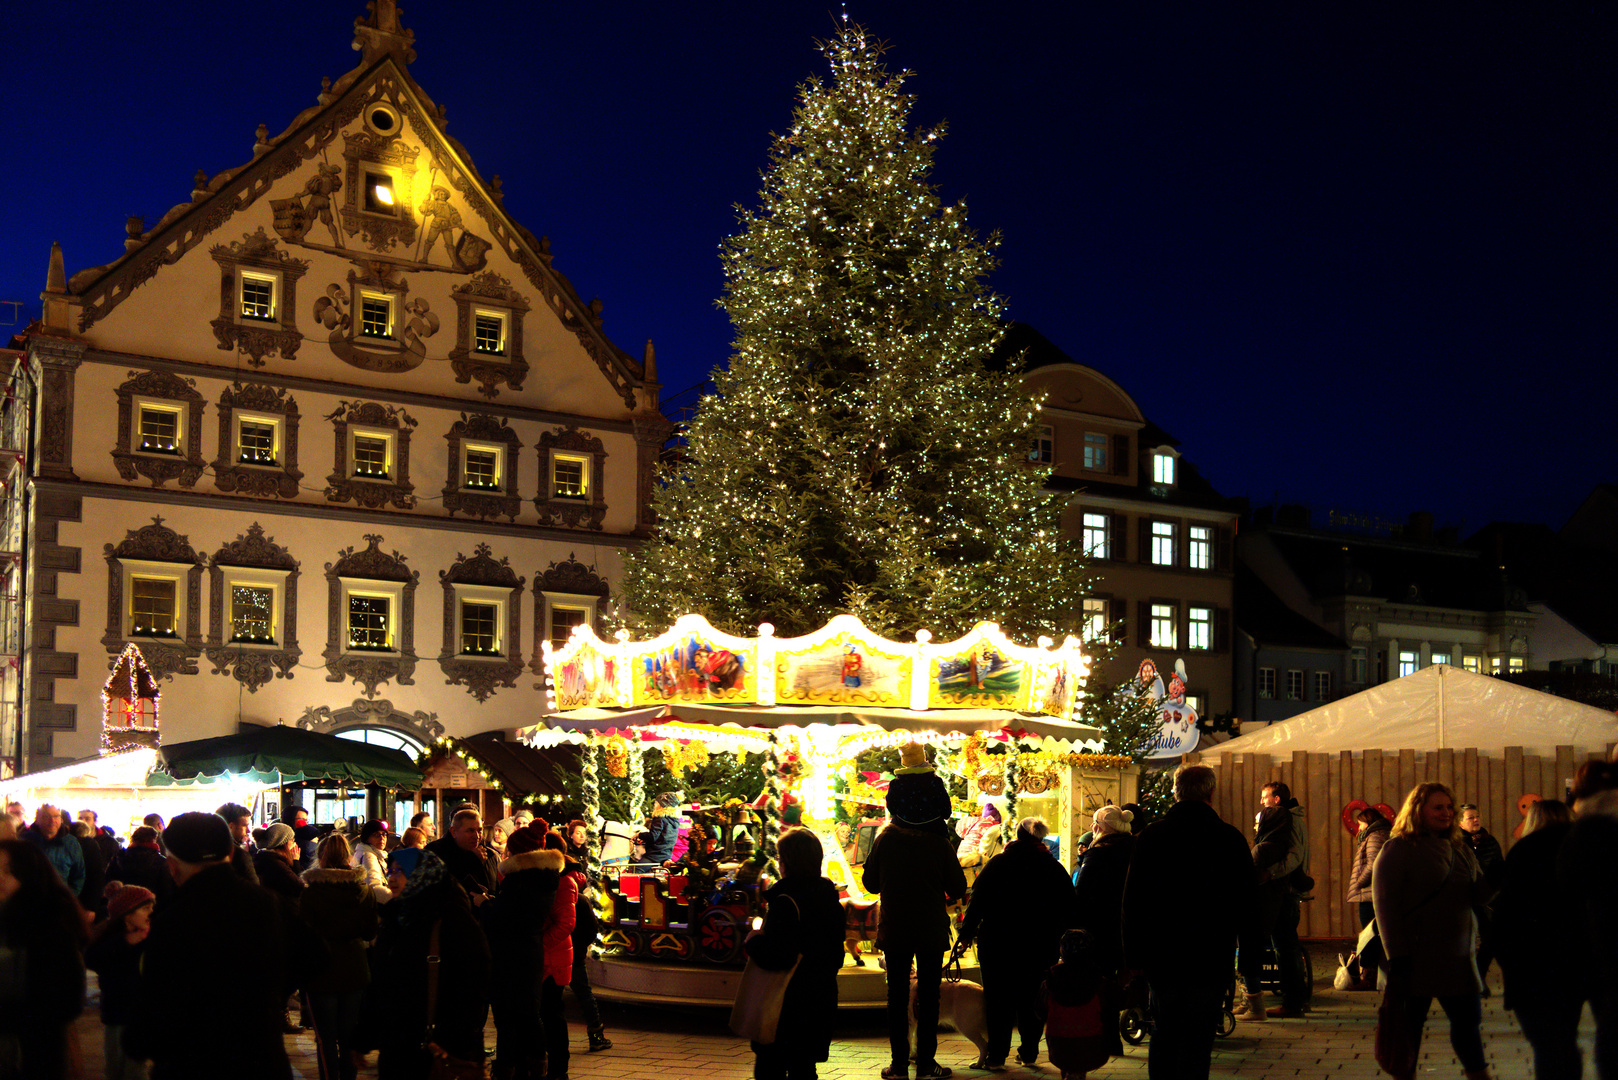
(1356, 254)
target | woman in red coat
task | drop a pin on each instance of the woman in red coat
(558, 956)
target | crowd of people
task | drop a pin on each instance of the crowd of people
(212, 940)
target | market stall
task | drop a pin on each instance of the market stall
(996, 719)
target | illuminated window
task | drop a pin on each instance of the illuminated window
(489, 333)
(252, 614)
(1472, 664)
(1266, 683)
(1440, 657)
(1095, 451)
(1162, 468)
(152, 607)
(1094, 624)
(1199, 629)
(373, 455)
(1322, 686)
(570, 477)
(563, 620)
(480, 629)
(159, 430)
(258, 296)
(1163, 635)
(481, 466)
(1294, 684)
(1095, 536)
(379, 194)
(1201, 553)
(1044, 450)
(1408, 663)
(1162, 543)
(256, 439)
(1516, 663)
(376, 316)
(1356, 665)
(368, 624)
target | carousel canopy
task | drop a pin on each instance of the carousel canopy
(284, 754)
(843, 674)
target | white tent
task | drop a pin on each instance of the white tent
(1437, 707)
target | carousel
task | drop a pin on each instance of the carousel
(995, 719)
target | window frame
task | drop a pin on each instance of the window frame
(1191, 625)
(1294, 685)
(178, 409)
(268, 277)
(1440, 658)
(277, 426)
(1358, 665)
(500, 598)
(1044, 451)
(1472, 663)
(376, 296)
(1171, 620)
(1205, 543)
(1096, 456)
(1165, 461)
(1322, 685)
(1267, 684)
(393, 591)
(1408, 666)
(584, 462)
(369, 203)
(1088, 630)
(1103, 550)
(502, 319)
(260, 577)
(554, 601)
(468, 447)
(178, 574)
(1161, 542)
(390, 452)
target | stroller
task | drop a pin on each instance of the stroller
(1135, 1022)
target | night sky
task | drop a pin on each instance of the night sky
(1354, 255)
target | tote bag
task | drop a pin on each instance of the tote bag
(758, 999)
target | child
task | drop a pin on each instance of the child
(1081, 1028)
(917, 798)
(114, 955)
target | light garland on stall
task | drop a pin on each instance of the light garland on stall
(592, 811)
(637, 780)
(772, 800)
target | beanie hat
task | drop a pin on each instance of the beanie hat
(554, 842)
(668, 798)
(199, 838)
(127, 899)
(1110, 819)
(278, 836)
(523, 841)
(406, 859)
(912, 756)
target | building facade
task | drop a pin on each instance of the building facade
(333, 443)
(1158, 534)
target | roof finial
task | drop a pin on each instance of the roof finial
(382, 34)
(56, 276)
(649, 362)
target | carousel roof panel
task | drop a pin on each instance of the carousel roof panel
(963, 721)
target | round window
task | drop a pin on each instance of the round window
(382, 119)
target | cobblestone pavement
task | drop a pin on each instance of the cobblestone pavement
(1335, 1040)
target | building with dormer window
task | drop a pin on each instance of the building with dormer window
(334, 442)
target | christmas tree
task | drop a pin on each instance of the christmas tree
(858, 455)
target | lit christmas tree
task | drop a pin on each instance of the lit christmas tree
(858, 455)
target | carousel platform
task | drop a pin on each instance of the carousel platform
(671, 982)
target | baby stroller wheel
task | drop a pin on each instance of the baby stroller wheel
(1227, 1023)
(1134, 1026)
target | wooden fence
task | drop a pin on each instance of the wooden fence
(1326, 783)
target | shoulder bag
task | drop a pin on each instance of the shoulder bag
(442, 1065)
(759, 996)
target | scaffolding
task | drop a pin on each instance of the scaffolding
(15, 413)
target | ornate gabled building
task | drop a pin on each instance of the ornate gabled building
(334, 374)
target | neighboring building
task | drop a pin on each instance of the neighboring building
(1159, 534)
(1571, 578)
(1285, 663)
(333, 442)
(1398, 602)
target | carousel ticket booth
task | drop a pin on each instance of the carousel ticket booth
(997, 720)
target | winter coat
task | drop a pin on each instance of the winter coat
(1081, 1025)
(144, 865)
(980, 840)
(917, 875)
(1292, 857)
(338, 905)
(372, 865)
(1366, 848)
(515, 923)
(1536, 937)
(278, 876)
(1022, 902)
(242, 861)
(1587, 870)
(41, 971)
(212, 994)
(109, 849)
(1487, 851)
(95, 875)
(559, 927)
(917, 796)
(810, 924)
(475, 871)
(1191, 865)
(306, 950)
(1425, 887)
(63, 852)
(661, 832)
(1098, 896)
(399, 973)
(586, 924)
(117, 966)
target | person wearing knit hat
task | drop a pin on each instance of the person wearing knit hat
(663, 829)
(917, 797)
(214, 976)
(114, 955)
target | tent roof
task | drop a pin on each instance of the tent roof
(1437, 707)
(283, 754)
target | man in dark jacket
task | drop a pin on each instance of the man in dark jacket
(210, 1002)
(1487, 849)
(1189, 868)
(91, 896)
(917, 875)
(141, 863)
(1022, 903)
(240, 820)
(465, 857)
(103, 838)
(1281, 865)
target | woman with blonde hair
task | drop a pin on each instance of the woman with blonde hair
(1425, 884)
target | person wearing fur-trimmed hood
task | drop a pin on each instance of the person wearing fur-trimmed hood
(515, 922)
